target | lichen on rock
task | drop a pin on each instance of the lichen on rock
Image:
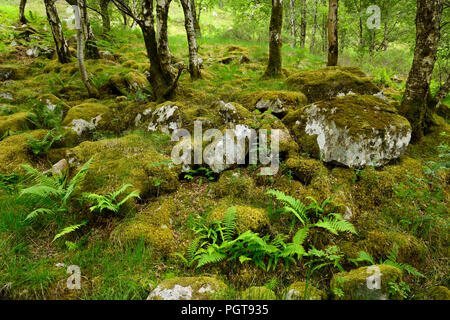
(329, 82)
(296, 291)
(354, 131)
(189, 288)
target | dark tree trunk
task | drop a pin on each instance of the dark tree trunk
(415, 104)
(333, 49)
(194, 66)
(22, 6)
(293, 24)
(106, 20)
(303, 25)
(61, 45)
(314, 28)
(198, 31)
(275, 45)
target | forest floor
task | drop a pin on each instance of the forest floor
(399, 211)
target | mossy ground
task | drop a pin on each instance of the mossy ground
(126, 255)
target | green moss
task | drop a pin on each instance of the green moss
(439, 293)
(130, 159)
(290, 99)
(305, 169)
(354, 283)
(379, 243)
(14, 150)
(247, 218)
(85, 111)
(234, 184)
(13, 123)
(258, 293)
(202, 288)
(325, 83)
(53, 100)
(296, 291)
(160, 238)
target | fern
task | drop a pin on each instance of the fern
(229, 224)
(292, 205)
(335, 224)
(68, 230)
(109, 201)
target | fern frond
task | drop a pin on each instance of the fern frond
(229, 223)
(210, 255)
(300, 236)
(68, 230)
(37, 212)
(293, 205)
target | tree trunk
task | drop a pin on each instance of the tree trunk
(194, 66)
(276, 24)
(443, 91)
(22, 18)
(61, 45)
(293, 24)
(160, 78)
(303, 25)
(92, 91)
(162, 14)
(333, 51)
(106, 20)
(416, 99)
(314, 28)
(324, 31)
(198, 32)
(89, 38)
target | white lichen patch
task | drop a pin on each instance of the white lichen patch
(276, 105)
(164, 119)
(176, 293)
(353, 146)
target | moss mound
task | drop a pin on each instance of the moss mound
(328, 82)
(14, 150)
(439, 293)
(233, 183)
(354, 284)
(130, 159)
(247, 218)
(13, 123)
(280, 102)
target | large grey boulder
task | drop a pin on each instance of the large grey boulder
(352, 130)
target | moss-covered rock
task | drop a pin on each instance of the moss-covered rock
(353, 130)
(296, 291)
(51, 101)
(130, 159)
(125, 83)
(84, 117)
(362, 283)
(189, 288)
(280, 102)
(439, 293)
(15, 151)
(13, 123)
(235, 184)
(247, 218)
(379, 243)
(12, 72)
(151, 225)
(319, 84)
(258, 293)
(304, 169)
